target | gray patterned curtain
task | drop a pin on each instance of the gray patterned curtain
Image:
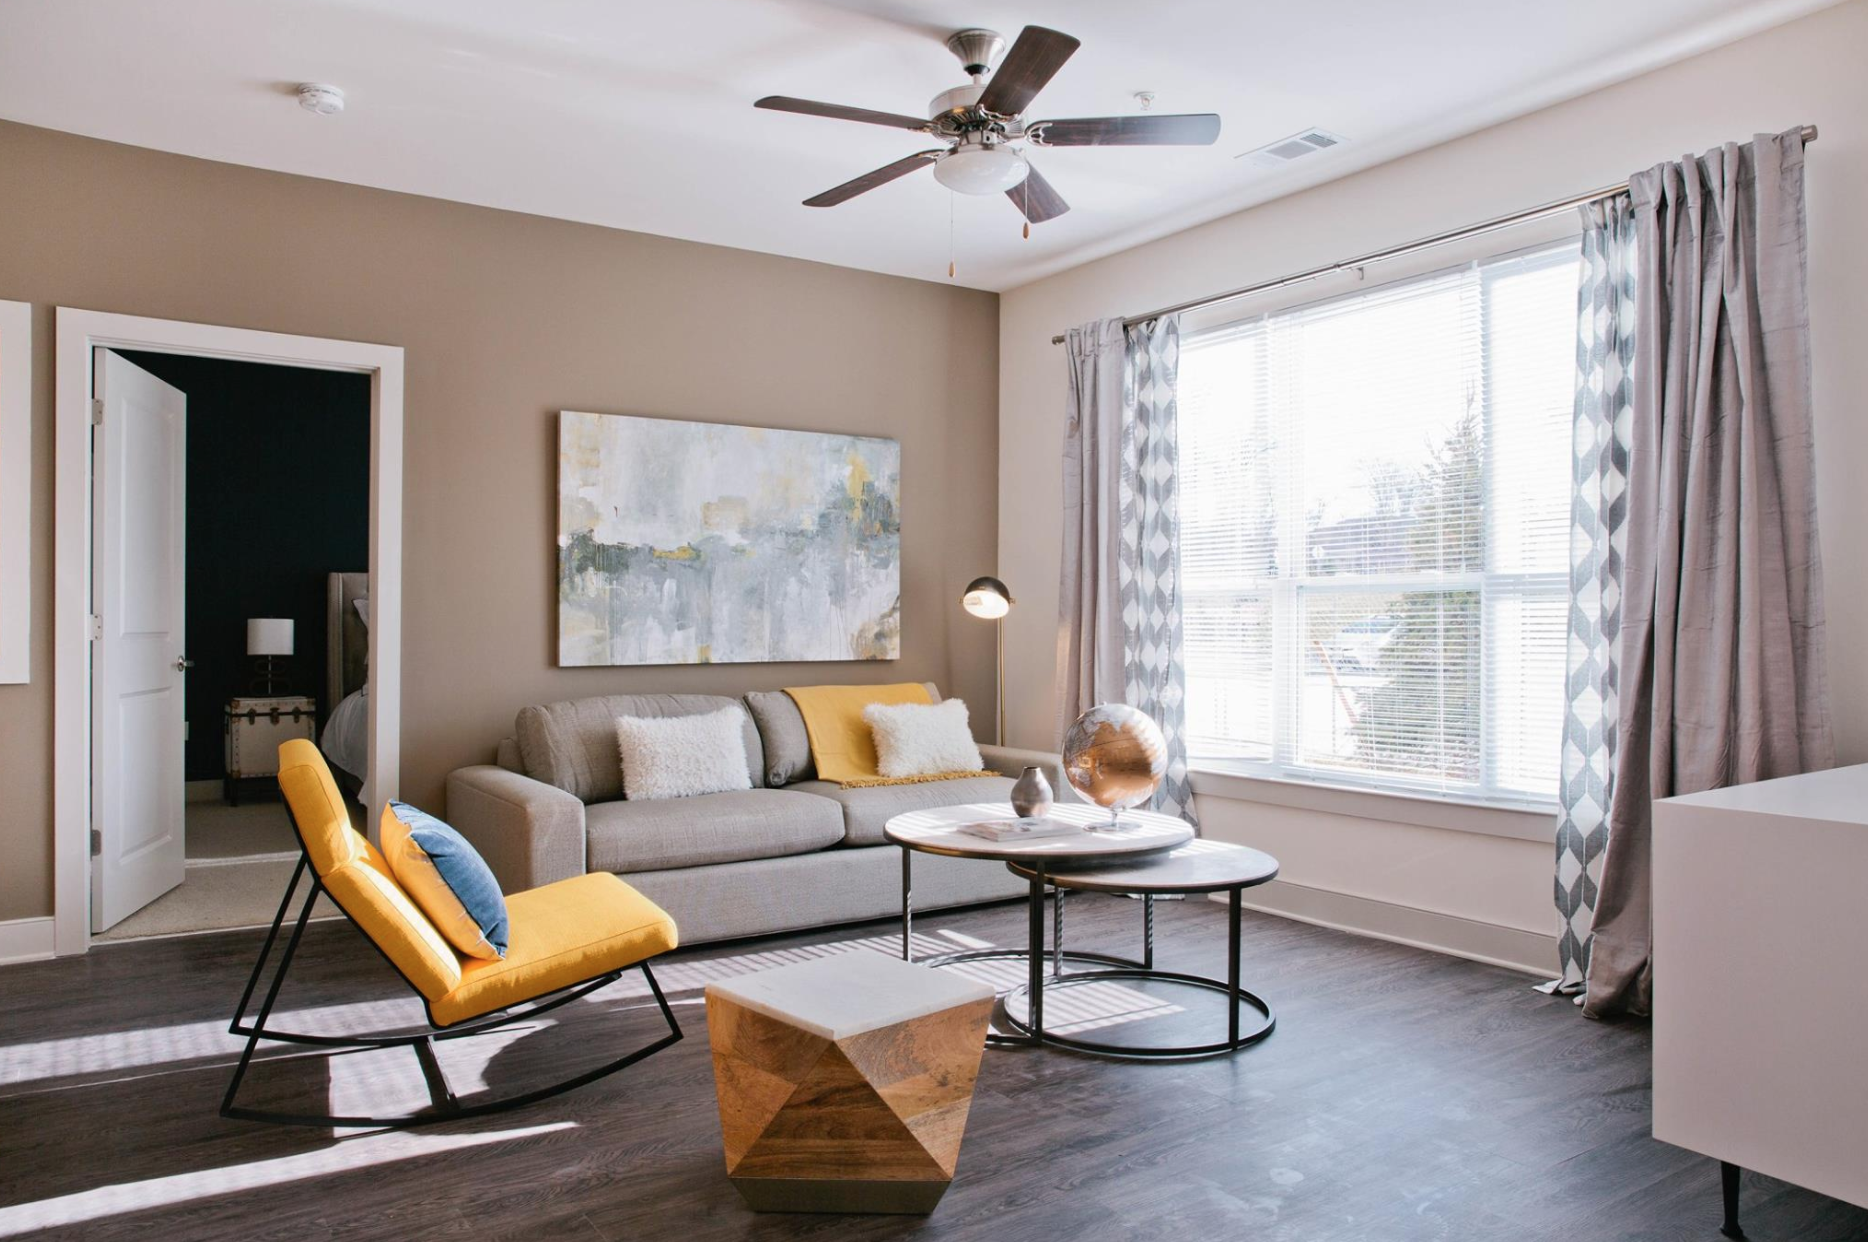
(1155, 678)
(1604, 420)
(1119, 608)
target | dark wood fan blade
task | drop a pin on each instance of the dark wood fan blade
(1196, 129)
(837, 112)
(1033, 61)
(1035, 197)
(870, 180)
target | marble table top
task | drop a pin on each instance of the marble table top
(936, 831)
(848, 993)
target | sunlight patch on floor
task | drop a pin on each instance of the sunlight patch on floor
(77, 1056)
(345, 1156)
(1095, 1006)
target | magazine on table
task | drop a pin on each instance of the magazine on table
(1020, 829)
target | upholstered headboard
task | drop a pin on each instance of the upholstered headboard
(347, 638)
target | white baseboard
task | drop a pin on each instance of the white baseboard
(1491, 943)
(25, 940)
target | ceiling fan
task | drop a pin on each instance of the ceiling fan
(982, 123)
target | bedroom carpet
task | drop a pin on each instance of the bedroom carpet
(217, 896)
(214, 830)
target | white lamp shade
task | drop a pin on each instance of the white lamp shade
(269, 636)
(985, 604)
(981, 170)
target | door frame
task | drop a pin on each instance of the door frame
(78, 333)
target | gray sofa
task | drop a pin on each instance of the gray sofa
(791, 852)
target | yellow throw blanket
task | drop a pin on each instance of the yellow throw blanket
(864, 782)
(842, 746)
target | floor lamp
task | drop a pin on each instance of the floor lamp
(988, 598)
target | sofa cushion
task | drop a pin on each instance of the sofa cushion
(922, 739)
(573, 744)
(711, 828)
(683, 756)
(867, 809)
(781, 731)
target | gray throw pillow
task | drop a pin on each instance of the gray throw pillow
(787, 745)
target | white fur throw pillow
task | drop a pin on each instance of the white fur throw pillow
(681, 756)
(922, 739)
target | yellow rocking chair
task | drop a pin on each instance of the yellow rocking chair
(567, 940)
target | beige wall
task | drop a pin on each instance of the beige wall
(1808, 71)
(506, 319)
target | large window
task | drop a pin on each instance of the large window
(1374, 503)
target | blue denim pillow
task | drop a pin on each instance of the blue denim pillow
(447, 878)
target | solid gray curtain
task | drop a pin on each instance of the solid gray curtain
(1119, 610)
(1604, 418)
(1722, 667)
(1089, 642)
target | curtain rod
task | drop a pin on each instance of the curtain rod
(1396, 252)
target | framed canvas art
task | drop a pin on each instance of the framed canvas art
(705, 543)
(15, 491)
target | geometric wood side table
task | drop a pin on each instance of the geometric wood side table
(844, 1082)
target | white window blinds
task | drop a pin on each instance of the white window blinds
(1374, 505)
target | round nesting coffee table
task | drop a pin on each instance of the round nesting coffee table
(1199, 867)
(937, 831)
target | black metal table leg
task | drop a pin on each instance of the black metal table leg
(1148, 931)
(1728, 1184)
(1057, 933)
(908, 863)
(1233, 902)
(1035, 952)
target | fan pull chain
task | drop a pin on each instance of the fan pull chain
(951, 268)
(1027, 188)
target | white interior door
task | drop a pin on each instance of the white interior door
(138, 498)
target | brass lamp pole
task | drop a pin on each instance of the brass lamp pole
(987, 598)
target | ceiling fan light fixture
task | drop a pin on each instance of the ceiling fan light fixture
(981, 170)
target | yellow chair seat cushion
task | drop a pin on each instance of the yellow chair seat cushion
(561, 934)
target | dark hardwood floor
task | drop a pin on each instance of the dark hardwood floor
(1404, 1096)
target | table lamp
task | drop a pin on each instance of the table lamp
(268, 638)
(987, 598)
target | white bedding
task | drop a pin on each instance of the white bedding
(346, 740)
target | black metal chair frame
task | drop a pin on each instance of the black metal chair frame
(445, 1106)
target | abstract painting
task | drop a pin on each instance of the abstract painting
(703, 543)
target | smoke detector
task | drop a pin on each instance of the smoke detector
(1297, 146)
(321, 97)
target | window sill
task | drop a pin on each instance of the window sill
(1520, 822)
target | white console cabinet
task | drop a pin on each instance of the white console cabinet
(1761, 979)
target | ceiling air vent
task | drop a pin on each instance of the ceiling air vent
(1278, 154)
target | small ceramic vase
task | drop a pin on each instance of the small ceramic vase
(1031, 796)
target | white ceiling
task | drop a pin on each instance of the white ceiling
(640, 116)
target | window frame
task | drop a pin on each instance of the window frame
(1283, 594)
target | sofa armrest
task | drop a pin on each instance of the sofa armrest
(530, 833)
(1011, 761)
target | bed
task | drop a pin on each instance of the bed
(346, 739)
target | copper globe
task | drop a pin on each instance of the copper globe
(1115, 757)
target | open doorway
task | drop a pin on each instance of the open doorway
(87, 844)
(231, 524)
